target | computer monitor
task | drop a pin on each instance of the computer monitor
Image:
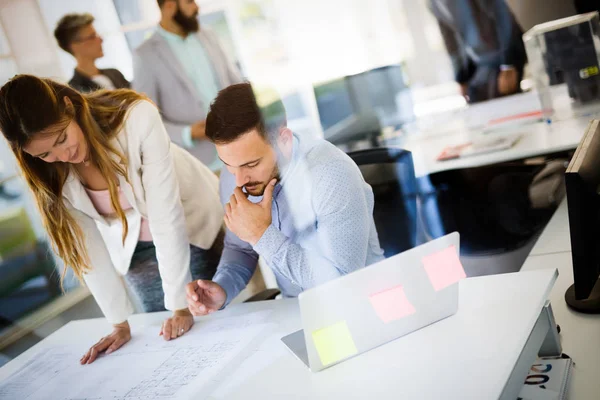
(333, 102)
(583, 184)
(340, 119)
(385, 91)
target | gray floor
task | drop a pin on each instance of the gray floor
(83, 310)
(499, 263)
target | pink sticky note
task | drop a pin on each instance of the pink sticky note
(444, 268)
(391, 304)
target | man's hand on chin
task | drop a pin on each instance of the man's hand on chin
(248, 220)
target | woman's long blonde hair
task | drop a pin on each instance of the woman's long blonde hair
(32, 107)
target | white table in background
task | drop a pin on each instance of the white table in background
(470, 355)
(580, 333)
(431, 136)
(537, 139)
(556, 237)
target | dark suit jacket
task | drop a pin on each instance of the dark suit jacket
(479, 33)
(586, 6)
(85, 84)
(480, 36)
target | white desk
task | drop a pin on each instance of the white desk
(580, 333)
(470, 355)
(428, 138)
(537, 139)
(556, 237)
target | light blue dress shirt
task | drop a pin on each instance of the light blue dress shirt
(322, 224)
(192, 56)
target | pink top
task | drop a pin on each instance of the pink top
(101, 201)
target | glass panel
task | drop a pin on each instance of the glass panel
(217, 23)
(136, 38)
(136, 11)
(136, 14)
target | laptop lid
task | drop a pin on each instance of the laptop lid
(372, 306)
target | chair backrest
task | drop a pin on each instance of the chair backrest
(390, 172)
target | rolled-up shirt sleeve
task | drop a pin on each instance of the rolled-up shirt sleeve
(238, 261)
(237, 265)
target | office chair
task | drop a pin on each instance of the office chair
(23, 257)
(490, 207)
(390, 172)
(4, 195)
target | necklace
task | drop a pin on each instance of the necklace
(86, 160)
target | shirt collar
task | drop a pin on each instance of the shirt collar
(170, 36)
(289, 169)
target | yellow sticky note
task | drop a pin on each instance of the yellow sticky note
(334, 343)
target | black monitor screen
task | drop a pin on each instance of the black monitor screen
(333, 102)
(583, 184)
(378, 88)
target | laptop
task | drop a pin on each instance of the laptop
(372, 306)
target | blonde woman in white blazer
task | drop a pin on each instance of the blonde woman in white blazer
(123, 207)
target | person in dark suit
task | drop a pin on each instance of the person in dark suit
(76, 35)
(483, 39)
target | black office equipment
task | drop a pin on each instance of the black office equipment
(385, 91)
(390, 172)
(340, 117)
(571, 56)
(583, 184)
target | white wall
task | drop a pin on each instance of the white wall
(430, 64)
(32, 48)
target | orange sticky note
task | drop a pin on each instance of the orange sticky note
(444, 268)
(391, 304)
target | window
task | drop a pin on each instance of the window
(138, 19)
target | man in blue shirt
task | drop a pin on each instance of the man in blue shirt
(300, 204)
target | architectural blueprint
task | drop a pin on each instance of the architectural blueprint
(146, 368)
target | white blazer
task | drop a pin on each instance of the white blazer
(168, 186)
